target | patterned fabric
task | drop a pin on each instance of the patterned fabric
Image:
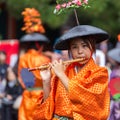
(87, 98)
(31, 59)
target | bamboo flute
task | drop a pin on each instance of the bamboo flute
(64, 62)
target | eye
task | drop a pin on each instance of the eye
(84, 45)
(73, 47)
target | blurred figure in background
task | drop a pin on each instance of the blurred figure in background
(11, 92)
(104, 46)
(118, 42)
(33, 57)
(3, 65)
(100, 53)
(114, 84)
(63, 54)
(32, 47)
(100, 58)
(3, 71)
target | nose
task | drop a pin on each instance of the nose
(80, 51)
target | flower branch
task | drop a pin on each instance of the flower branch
(63, 5)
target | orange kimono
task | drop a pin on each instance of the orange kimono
(87, 97)
(31, 59)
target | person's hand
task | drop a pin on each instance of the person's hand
(58, 67)
(9, 97)
(46, 79)
(45, 75)
(2, 95)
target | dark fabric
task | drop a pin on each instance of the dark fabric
(15, 91)
(3, 70)
(7, 111)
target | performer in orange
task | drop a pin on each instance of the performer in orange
(32, 44)
(76, 91)
(30, 59)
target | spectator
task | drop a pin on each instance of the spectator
(3, 71)
(114, 59)
(100, 58)
(12, 91)
(3, 65)
(118, 42)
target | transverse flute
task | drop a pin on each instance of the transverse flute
(64, 62)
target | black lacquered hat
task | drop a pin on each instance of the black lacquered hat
(32, 37)
(97, 34)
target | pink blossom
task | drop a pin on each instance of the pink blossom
(77, 2)
(64, 5)
(85, 1)
(69, 4)
(74, 1)
(58, 7)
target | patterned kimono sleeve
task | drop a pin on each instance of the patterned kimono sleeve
(88, 92)
(45, 110)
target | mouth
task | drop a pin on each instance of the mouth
(81, 57)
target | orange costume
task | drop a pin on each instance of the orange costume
(31, 59)
(87, 97)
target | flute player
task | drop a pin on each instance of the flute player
(78, 91)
